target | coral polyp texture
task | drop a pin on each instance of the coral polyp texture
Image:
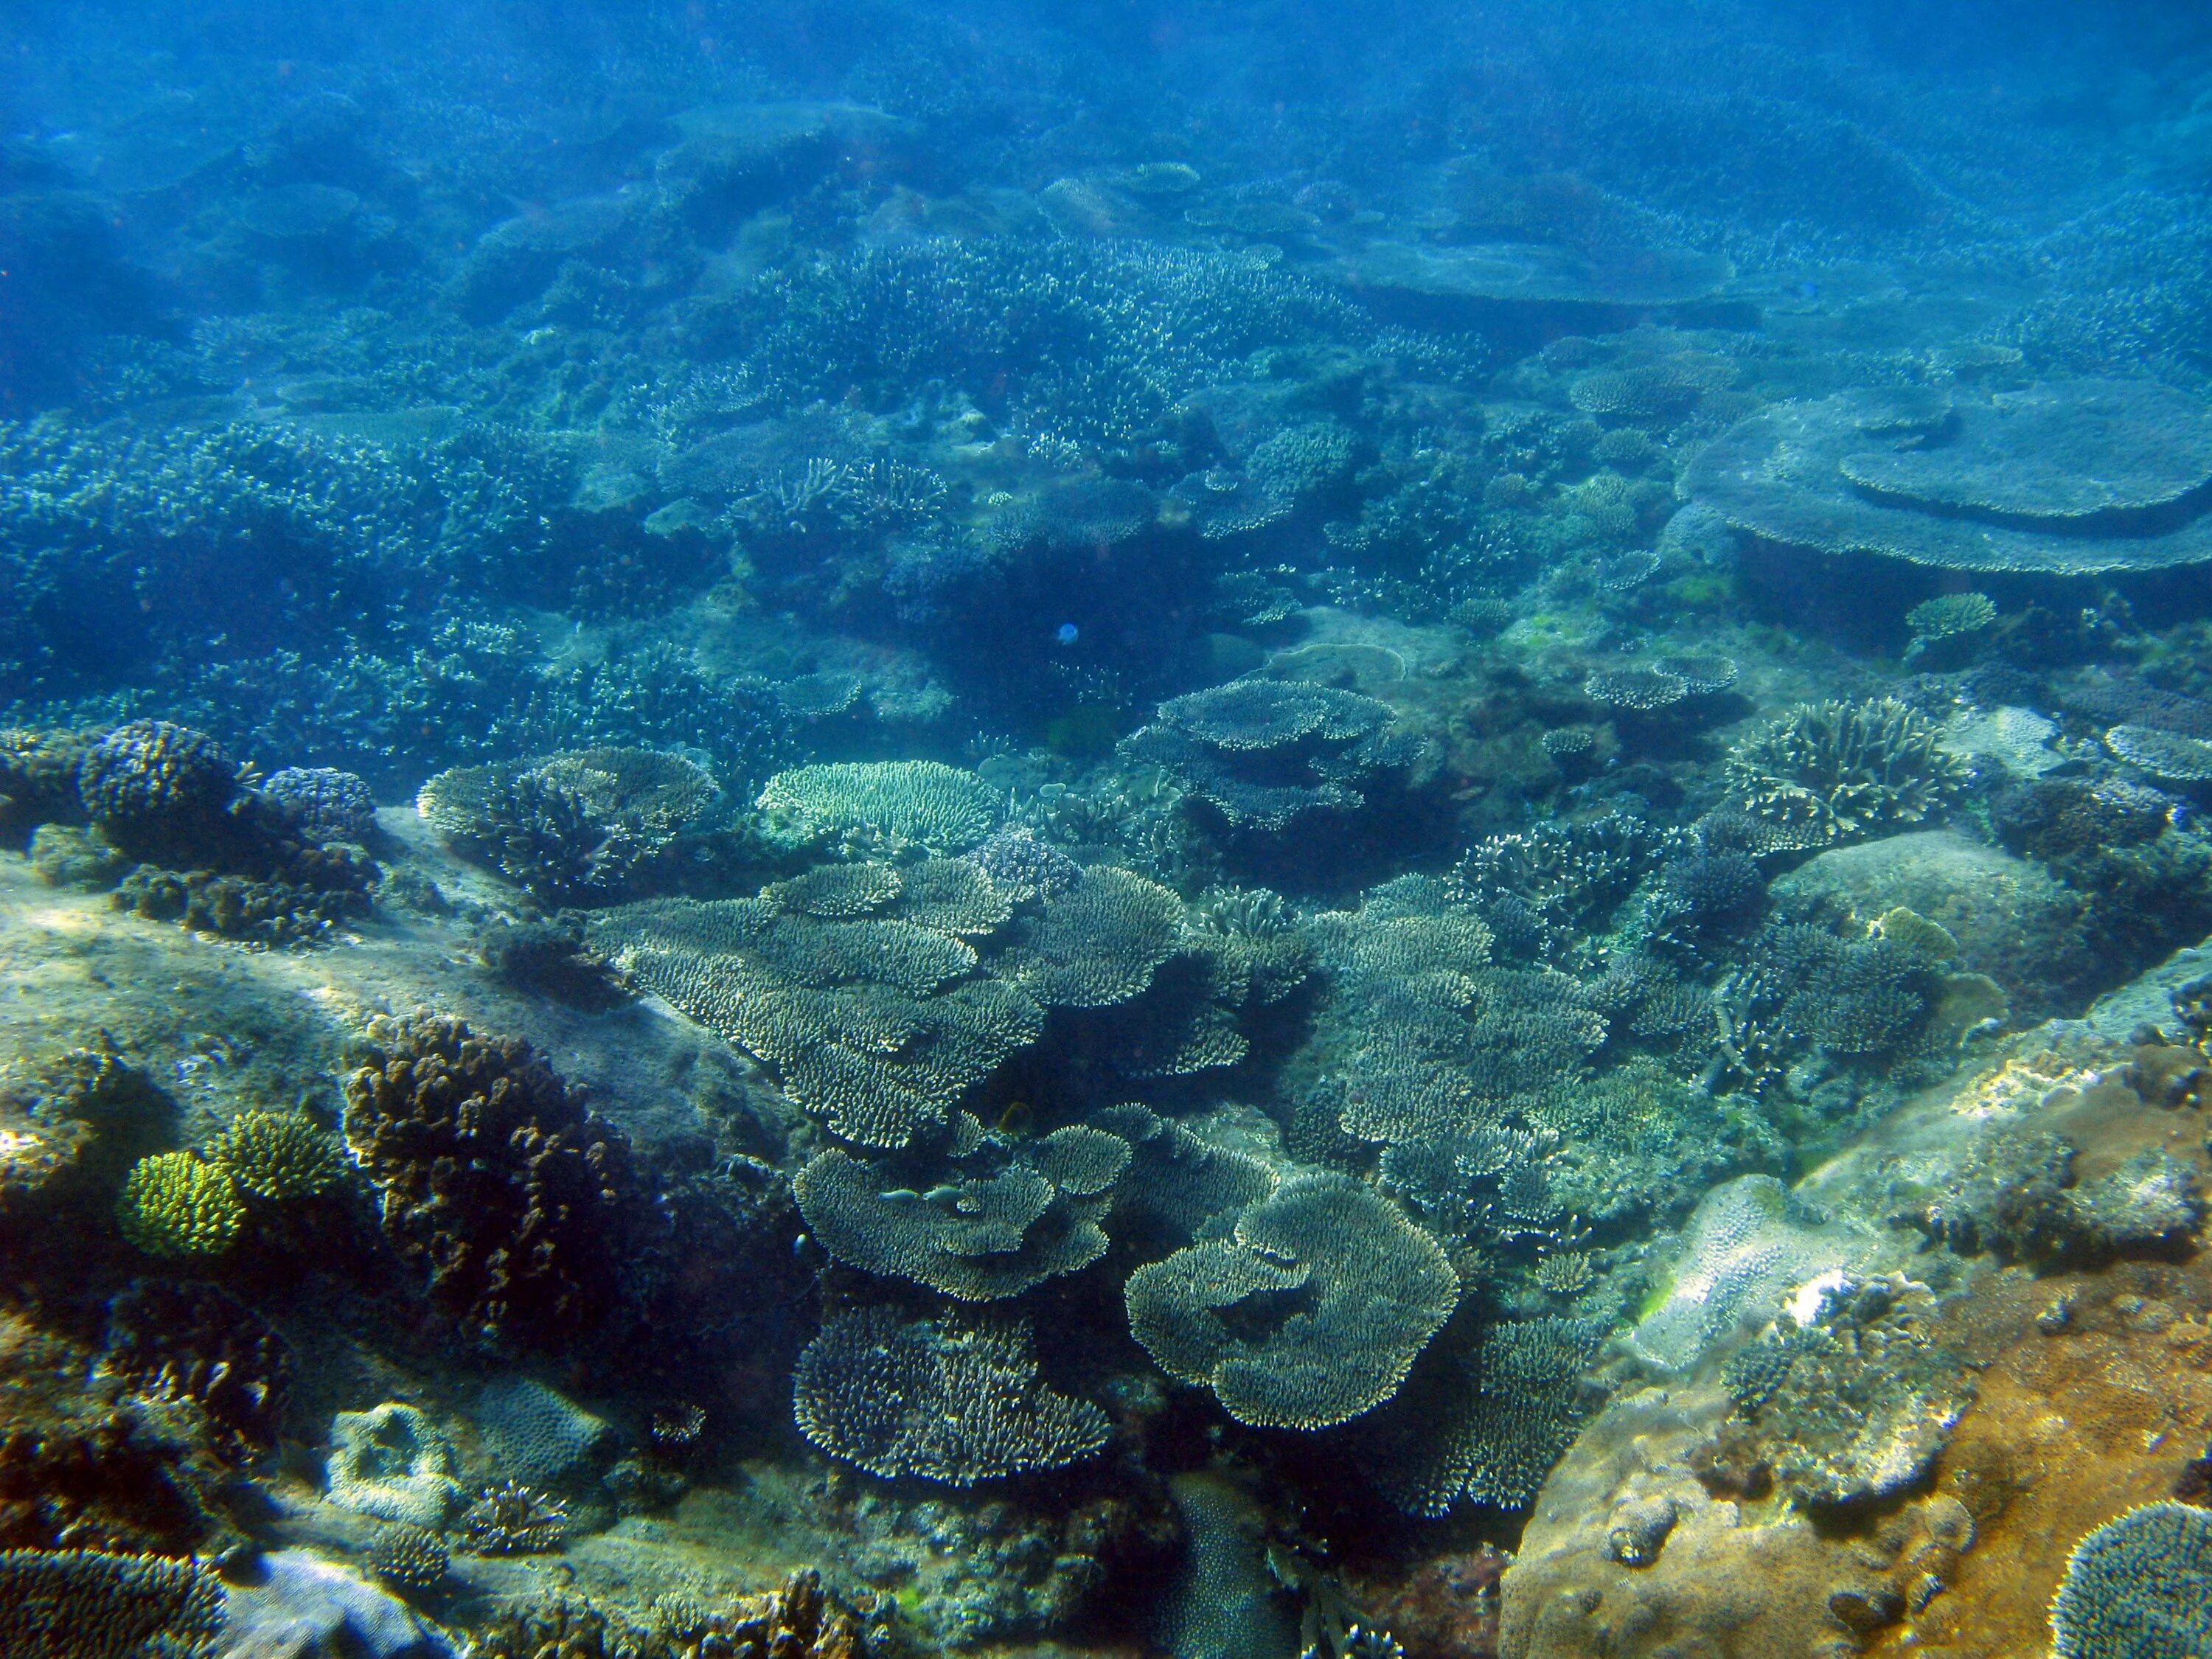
(91, 1604)
(957, 1399)
(2138, 1588)
(278, 1156)
(1829, 772)
(177, 1204)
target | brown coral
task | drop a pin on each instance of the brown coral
(495, 1178)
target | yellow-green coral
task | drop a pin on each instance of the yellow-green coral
(277, 1155)
(175, 1204)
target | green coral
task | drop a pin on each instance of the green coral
(175, 1204)
(280, 1156)
(885, 809)
(1830, 772)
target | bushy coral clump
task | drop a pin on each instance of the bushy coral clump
(177, 1204)
(1831, 772)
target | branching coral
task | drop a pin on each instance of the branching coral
(1264, 751)
(89, 1604)
(1829, 772)
(278, 1156)
(2138, 1588)
(494, 1180)
(513, 1519)
(197, 1342)
(1335, 1294)
(575, 827)
(956, 1399)
(977, 1237)
(1099, 942)
(888, 809)
(176, 1204)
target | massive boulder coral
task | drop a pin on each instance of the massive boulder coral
(1263, 753)
(493, 1180)
(2066, 476)
(1373, 1289)
(956, 1399)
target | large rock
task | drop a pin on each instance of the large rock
(2013, 921)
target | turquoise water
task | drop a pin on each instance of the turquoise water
(1225, 830)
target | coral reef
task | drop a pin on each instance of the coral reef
(324, 803)
(1839, 771)
(196, 1342)
(393, 1462)
(513, 1519)
(1335, 1293)
(890, 809)
(493, 1180)
(277, 1155)
(957, 1399)
(579, 828)
(1262, 752)
(2141, 1584)
(87, 1604)
(176, 1204)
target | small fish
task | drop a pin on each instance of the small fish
(1067, 633)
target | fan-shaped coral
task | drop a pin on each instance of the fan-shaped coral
(885, 809)
(956, 1399)
(1366, 1291)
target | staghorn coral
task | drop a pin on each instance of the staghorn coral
(493, 1180)
(182, 1341)
(94, 1604)
(573, 828)
(513, 1519)
(278, 1156)
(1831, 772)
(1543, 890)
(956, 1399)
(1950, 615)
(1262, 752)
(176, 1204)
(2139, 1587)
(885, 809)
(392, 1463)
(1370, 1290)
